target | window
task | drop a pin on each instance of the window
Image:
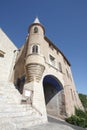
(2, 53)
(52, 60)
(64, 60)
(60, 67)
(35, 49)
(67, 73)
(52, 48)
(35, 30)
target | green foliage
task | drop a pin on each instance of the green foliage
(79, 119)
(76, 120)
(81, 113)
(83, 99)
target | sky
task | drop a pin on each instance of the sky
(65, 23)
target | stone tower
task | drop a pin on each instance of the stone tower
(43, 75)
(35, 80)
(35, 67)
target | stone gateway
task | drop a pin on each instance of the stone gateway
(35, 80)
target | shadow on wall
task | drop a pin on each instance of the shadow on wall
(20, 84)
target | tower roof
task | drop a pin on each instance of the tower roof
(36, 20)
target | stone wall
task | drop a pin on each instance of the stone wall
(7, 61)
(19, 64)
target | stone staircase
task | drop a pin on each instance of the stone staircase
(9, 94)
(13, 112)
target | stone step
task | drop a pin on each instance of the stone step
(5, 83)
(17, 113)
(13, 95)
(25, 118)
(29, 123)
(9, 103)
(11, 109)
(9, 94)
(17, 105)
(9, 100)
(8, 86)
(14, 108)
(22, 122)
(18, 110)
(8, 89)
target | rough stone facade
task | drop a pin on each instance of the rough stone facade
(40, 72)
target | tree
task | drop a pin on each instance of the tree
(83, 99)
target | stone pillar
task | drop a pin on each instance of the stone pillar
(62, 105)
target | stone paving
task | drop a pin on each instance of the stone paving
(55, 124)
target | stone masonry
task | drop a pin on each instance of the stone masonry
(35, 80)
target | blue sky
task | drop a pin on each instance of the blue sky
(65, 22)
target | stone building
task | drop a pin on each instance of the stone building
(40, 72)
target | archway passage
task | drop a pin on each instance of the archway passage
(53, 95)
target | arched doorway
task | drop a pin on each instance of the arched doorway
(54, 96)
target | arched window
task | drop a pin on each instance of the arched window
(35, 49)
(35, 30)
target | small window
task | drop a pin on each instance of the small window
(2, 53)
(35, 49)
(52, 60)
(52, 48)
(35, 30)
(60, 67)
(57, 52)
(67, 73)
(64, 60)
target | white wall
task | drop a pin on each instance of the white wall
(7, 46)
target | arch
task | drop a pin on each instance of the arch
(53, 92)
(54, 81)
(51, 83)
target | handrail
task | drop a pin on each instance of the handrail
(33, 106)
(37, 110)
